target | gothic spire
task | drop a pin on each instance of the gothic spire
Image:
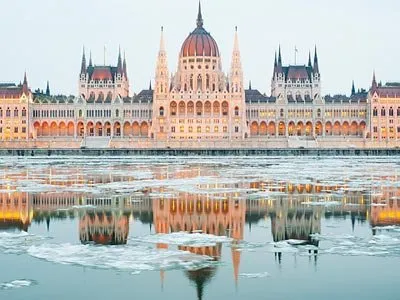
(83, 64)
(316, 67)
(374, 83)
(124, 68)
(90, 59)
(48, 89)
(199, 18)
(280, 57)
(162, 44)
(119, 65)
(150, 87)
(250, 85)
(309, 59)
(25, 85)
(353, 89)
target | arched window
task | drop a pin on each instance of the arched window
(15, 112)
(161, 111)
(282, 113)
(207, 82)
(375, 112)
(1, 112)
(8, 112)
(24, 112)
(398, 111)
(383, 112)
(117, 113)
(80, 113)
(199, 83)
(319, 113)
(391, 112)
(191, 82)
(236, 111)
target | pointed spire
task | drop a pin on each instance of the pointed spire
(25, 85)
(119, 65)
(309, 59)
(316, 67)
(83, 64)
(353, 89)
(124, 68)
(48, 89)
(250, 85)
(374, 83)
(236, 44)
(90, 59)
(280, 57)
(162, 43)
(200, 22)
(150, 87)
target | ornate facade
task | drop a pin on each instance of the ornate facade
(199, 105)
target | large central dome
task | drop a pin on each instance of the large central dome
(200, 42)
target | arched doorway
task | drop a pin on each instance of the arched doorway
(361, 128)
(80, 129)
(318, 128)
(136, 129)
(70, 129)
(291, 129)
(309, 129)
(346, 128)
(263, 128)
(38, 129)
(336, 128)
(254, 129)
(282, 129)
(144, 129)
(128, 129)
(62, 129)
(328, 128)
(99, 129)
(107, 128)
(271, 129)
(53, 129)
(354, 128)
(300, 129)
(90, 129)
(117, 129)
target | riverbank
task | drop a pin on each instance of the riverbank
(201, 152)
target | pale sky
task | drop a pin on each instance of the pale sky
(45, 38)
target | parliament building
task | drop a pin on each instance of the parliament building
(200, 104)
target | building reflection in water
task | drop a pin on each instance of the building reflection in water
(223, 214)
(220, 216)
(15, 211)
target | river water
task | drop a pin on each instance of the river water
(199, 228)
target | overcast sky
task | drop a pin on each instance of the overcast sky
(354, 37)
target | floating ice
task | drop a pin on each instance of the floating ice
(322, 203)
(16, 284)
(184, 239)
(254, 275)
(133, 258)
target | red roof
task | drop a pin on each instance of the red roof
(102, 73)
(200, 43)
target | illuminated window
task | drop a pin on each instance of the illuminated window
(208, 129)
(198, 129)
(182, 129)
(225, 129)
(216, 129)
(190, 129)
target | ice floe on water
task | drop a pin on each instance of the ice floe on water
(16, 284)
(195, 239)
(322, 203)
(254, 275)
(136, 256)
(133, 258)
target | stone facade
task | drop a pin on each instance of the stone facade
(200, 106)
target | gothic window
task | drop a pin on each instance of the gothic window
(391, 112)
(225, 108)
(173, 108)
(199, 83)
(319, 113)
(117, 113)
(383, 112)
(282, 113)
(207, 82)
(398, 112)
(15, 112)
(191, 82)
(161, 111)
(8, 112)
(1, 112)
(375, 112)
(236, 111)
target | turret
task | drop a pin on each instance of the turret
(374, 85)
(48, 89)
(25, 88)
(83, 63)
(236, 74)
(316, 67)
